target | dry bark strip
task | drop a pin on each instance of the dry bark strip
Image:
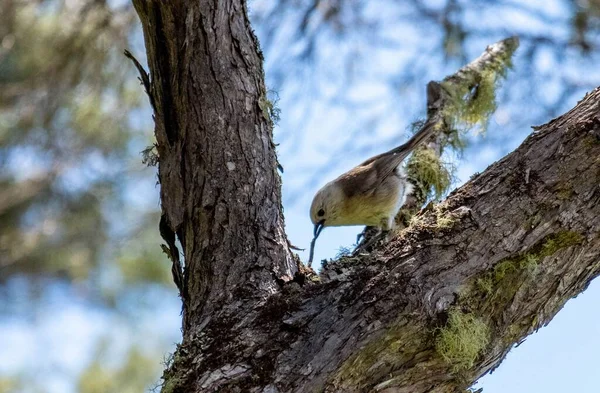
(507, 249)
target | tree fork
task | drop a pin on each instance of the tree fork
(486, 267)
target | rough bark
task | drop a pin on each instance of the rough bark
(220, 190)
(502, 254)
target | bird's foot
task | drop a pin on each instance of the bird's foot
(368, 239)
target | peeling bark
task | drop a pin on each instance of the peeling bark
(506, 250)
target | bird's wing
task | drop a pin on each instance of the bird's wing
(365, 178)
(386, 163)
(358, 181)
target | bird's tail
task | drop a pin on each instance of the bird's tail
(394, 157)
(426, 131)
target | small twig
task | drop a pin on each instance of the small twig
(312, 251)
(171, 250)
(144, 76)
(292, 247)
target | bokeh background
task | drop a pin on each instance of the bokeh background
(87, 303)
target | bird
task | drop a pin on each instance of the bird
(369, 194)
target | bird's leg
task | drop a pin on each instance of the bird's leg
(366, 234)
(372, 235)
(369, 237)
(362, 234)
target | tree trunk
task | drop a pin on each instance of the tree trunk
(220, 190)
(430, 311)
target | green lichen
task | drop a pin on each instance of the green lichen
(430, 172)
(502, 282)
(169, 385)
(558, 241)
(485, 284)
(461, 341)
(533, 221)
(564, 191)
(526, 263)
(445, 222)
(172, 377)
(444, 219)
(395, 348)
(472, 101)
(268, 105)
(493, 291)
(591, 141)
(345, 260)
(480, 102)
(467, 98)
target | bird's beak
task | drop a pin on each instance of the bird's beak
(319, 227)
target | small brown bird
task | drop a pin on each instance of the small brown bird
(369, 194)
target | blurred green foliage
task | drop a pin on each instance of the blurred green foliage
(9, 385)
(73, 120)
(130, 377)
(68, 140)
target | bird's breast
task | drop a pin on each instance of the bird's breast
(374, 206)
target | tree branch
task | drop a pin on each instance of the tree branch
(430, 311)
(499, 257)
(462, 100)
(458, 99)
(144, 77)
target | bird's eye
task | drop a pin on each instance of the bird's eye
(321, 213)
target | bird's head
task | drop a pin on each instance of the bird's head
(326, 207)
